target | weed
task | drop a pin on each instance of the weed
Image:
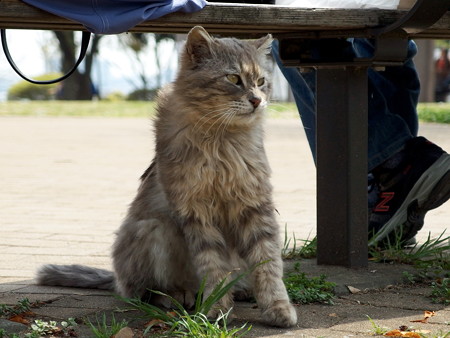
(440, 334)
(304, 290)
(4, 334)
(377, 329)
(198, 325)
(409, 278)
(40, 328)
(101, 329)
(441, 291)
(431, 259)
(180, 322)
(22, 306)
(307, 250)
(433, 254)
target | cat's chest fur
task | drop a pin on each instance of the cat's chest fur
(216, 179)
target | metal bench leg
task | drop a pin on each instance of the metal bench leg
(342, 166)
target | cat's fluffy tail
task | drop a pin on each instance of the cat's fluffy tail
(77, 276)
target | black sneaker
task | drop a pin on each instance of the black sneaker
(421, 182)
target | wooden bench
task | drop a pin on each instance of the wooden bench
(341, 89)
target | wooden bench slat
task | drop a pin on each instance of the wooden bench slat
(233, 19)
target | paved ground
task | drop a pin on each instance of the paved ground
(66, 184)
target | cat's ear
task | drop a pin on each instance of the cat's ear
(198, 44)
(264, 44)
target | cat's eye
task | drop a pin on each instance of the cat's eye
(234, 79)
(260, 81)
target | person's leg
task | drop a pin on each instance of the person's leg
(303, 86)
(383, 125)
(411, 173)
(412, 176)
(393, 96)
(387, 131)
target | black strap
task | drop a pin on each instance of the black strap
(84, 46)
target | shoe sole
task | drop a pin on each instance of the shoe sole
(430, 191)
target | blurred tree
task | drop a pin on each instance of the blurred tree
(79, 85)
(159, 39)
(138, 43)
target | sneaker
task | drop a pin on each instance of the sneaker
(421, 182)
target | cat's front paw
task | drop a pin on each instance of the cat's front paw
(216, 313)
(221, 307)
(281, 313)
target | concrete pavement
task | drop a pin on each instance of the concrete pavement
(65, 187)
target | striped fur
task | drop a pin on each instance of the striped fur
(204, 207)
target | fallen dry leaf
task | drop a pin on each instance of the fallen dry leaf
(426, 315)
(393, 333)
(398, 333)
(19, 319)
(411, 334)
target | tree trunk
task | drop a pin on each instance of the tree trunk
(79, 85)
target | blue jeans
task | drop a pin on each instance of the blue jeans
(392, 97)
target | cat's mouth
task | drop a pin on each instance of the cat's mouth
(250, 111)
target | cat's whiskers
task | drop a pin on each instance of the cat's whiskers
(216, 116)
(226, 121)
(209, 116)
(204, 119)
(233, 109)
(220, 118)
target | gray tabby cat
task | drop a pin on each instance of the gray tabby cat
(204, 206)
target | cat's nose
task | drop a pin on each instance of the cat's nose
(255, 101)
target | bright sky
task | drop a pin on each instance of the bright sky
(37, 53)
(113, 72)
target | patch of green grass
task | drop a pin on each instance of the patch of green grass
(302, 289)
(22, 306)
(305, 290)
(4, 334)
(434, 112)
(431, 260)
(434, 251)
(101, 328)
(377, 329)
(440, 291)
(138, 109)
(282, 110)
(429, 112)
(198, 325)
(308, 249)
(182, 323)
(78, 108)
(439, 334)
(42, 328)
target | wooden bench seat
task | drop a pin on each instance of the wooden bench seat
(233, 19)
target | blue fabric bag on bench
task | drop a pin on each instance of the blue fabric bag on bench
(114, 16)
